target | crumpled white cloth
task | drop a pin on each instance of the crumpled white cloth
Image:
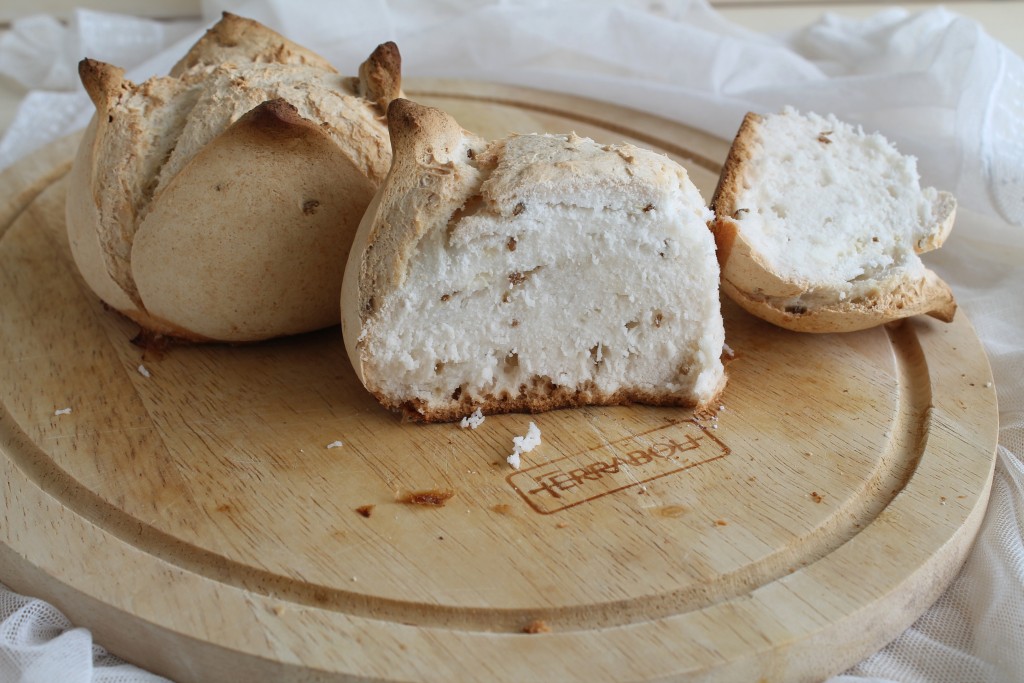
(933, 82)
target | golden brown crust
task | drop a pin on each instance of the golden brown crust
(102, 81)
(380, 76)
(541, 396)
(724, 198)
(930, 296)
(238, 38)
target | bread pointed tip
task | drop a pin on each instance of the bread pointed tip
(101, 81)
(937, 298)
(277, 118)
(380, 76)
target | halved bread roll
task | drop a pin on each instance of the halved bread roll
(219, 203)
(819, 226)
(530, 273)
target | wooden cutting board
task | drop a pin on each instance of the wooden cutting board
(190, 508)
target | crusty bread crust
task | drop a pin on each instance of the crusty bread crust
(437, 168)
(541, 396)
(380, 76)
(238, 38)
(211, 262)
(749, 281)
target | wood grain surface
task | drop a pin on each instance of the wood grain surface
(194, 510)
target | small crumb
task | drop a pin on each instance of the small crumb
(365, 510)
(144, 371)
(473, 420)
(537, 626)
(988, 385)
(942, 500)
(278, 610)
(728, 350)
(523, 444)
(721, 522)
(432, 498)
(62, 411)
(355, 578)
(562, 525)
(817, 497)
(721, 407)
(502, 508)
(335, 444)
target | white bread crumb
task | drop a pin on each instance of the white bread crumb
(144, 371)
(334, 444)
(523, 444)
(62, 411)
(473, 420)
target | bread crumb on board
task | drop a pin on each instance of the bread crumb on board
(523, 444)
(473, 420)
(365, 510)
(537, 626)
(144, 371)
(430, 498)
(62, 411)
(335, 444)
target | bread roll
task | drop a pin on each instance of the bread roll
(819, 226)
(530, 273)
(219, 202)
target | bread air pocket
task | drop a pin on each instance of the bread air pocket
(819, 226)
(530, 273)
(219, 203)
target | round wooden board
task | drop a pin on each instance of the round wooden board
(197, 520)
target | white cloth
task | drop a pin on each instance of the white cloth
(933, 82)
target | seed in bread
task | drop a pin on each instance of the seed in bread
(530, 273)
(819, 226)
(217, 203)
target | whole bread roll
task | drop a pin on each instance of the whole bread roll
(819, 226)
(220, 202)
(530, 273)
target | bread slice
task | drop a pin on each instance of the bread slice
(819, 226)
(530, 273)
(218, 202)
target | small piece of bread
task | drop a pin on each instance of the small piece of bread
(218, 202)
(530, 273)
(819, 226)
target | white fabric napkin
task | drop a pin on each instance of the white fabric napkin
(933, 82)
